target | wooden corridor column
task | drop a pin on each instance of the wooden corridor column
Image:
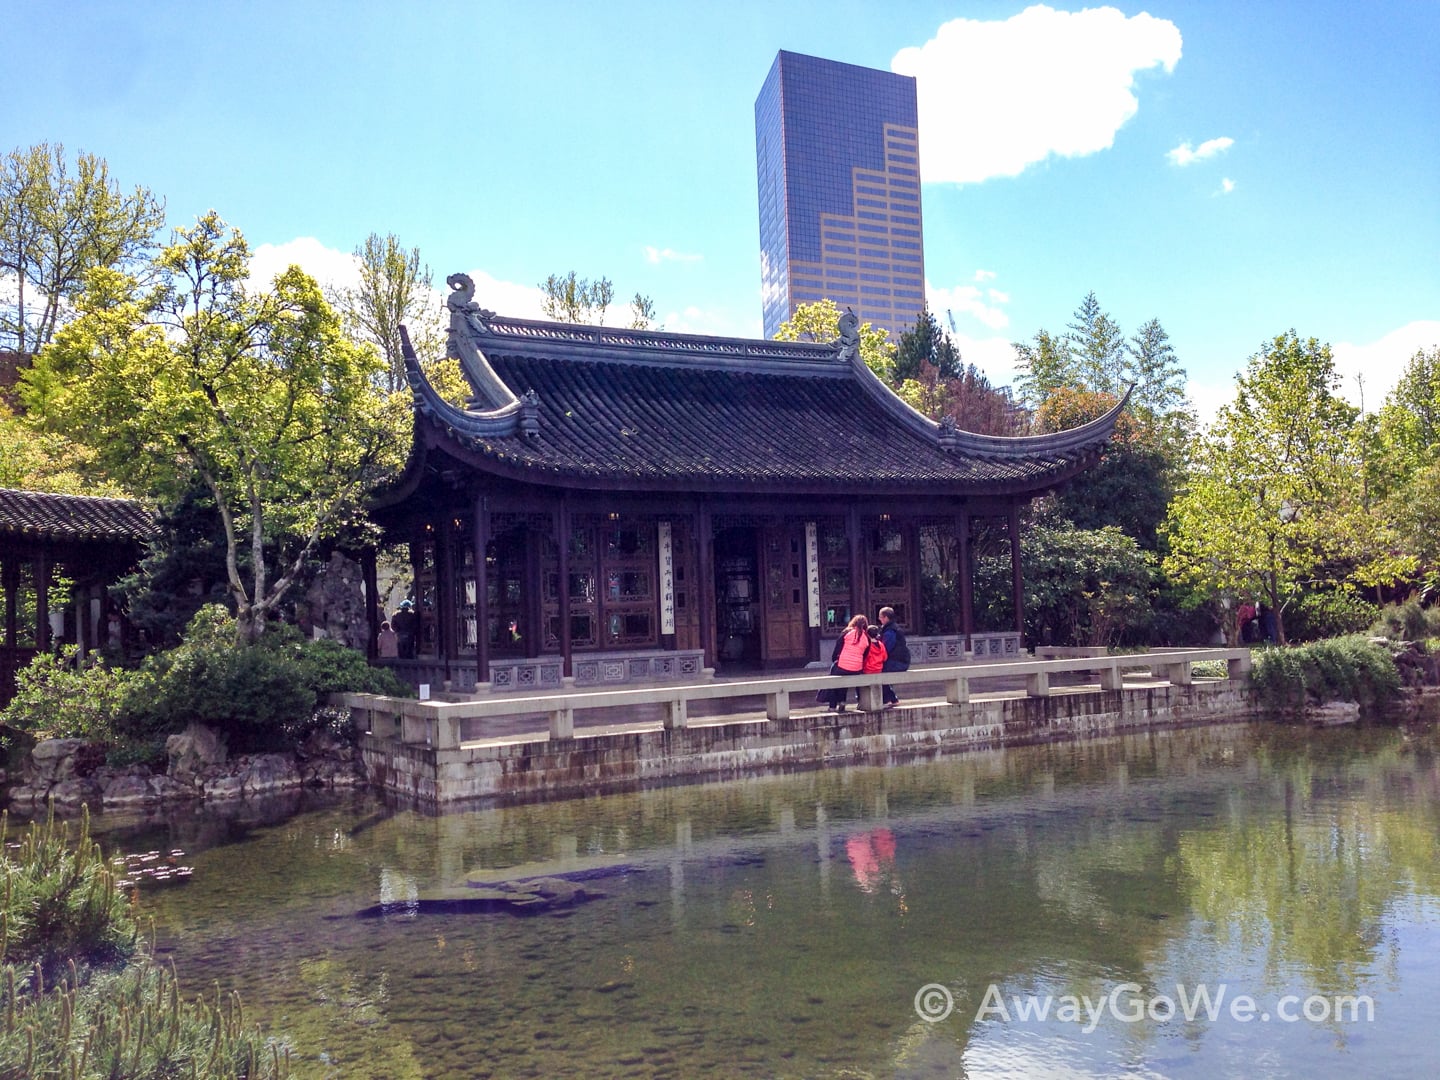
(374, 614)
(967, 577)
(1017, 584)
(859, 594)
(42, 603)
(562, 541)
(446, 638)
(481, 539)
(705, 590)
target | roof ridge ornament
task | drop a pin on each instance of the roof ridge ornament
(509, 416)
(849, 343)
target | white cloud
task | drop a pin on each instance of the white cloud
(337, 269)
(1226, 185)
(694, 320)
(341, 269)
(509, 299)
(1207, 397)
(994, 356)
(1183, 155)
(997, 97)
(1382, 362)
(984, 275)
(659, 255)
(968, 300)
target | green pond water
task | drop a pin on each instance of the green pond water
(1278, 884)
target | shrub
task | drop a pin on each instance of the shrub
(1354, 668)
(264, 696)
(1409, 621)
(247, 693)
(1330, 614)
(61, 697)
(332, 668)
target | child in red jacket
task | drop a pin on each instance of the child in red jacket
(875, 655)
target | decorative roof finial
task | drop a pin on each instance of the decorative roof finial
(849, 327)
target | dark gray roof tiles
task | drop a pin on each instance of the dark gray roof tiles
(646, 409)
(45, 515)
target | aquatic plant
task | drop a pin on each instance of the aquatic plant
(80, 996)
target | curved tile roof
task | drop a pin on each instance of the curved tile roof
(644, 409)
(43, 514)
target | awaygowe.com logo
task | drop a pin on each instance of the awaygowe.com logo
(1131, 1003)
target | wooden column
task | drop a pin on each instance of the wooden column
(1017, 585)
(481, 540)
(374, 614)
(562, 539)
(42, 603)
(445, 589)
(12, 581)
(967, 576)
(705, 588)
(859, 594)
(533, 612)
(912, 546)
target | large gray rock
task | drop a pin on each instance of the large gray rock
(73, 792)
(129, 787)
(53, 760)
(269, 772)
(226, 786)
(193, 751)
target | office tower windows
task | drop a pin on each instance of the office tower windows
(838, 163)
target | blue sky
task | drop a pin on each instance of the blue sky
(1233, 168)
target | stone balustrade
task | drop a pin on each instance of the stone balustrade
(438, 724)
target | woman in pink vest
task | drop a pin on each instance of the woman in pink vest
(847, 659)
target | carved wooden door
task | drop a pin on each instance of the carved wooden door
(782, 554)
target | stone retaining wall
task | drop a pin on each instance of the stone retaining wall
(585, 764)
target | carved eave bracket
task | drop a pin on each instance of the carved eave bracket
(509, 416)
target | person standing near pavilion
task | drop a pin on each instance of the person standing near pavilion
(848, 658)
(897, 652)
(405, 623)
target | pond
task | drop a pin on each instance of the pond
(1240, 900)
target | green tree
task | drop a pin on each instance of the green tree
(1132, 484)
(820, 321)
(395, 288)
(1275, 504)
(968, 398)
(258, 394)
(1097, 349)
(55, 225)
(1043, 366)
(642, 312)
(925, 343)
(1156, 373)
(572, 298)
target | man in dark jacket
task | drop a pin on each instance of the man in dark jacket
(897, 652)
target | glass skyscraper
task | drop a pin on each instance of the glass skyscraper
(838, 159)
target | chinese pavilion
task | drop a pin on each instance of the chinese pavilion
(613, 505)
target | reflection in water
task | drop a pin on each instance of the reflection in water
(761, 928)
